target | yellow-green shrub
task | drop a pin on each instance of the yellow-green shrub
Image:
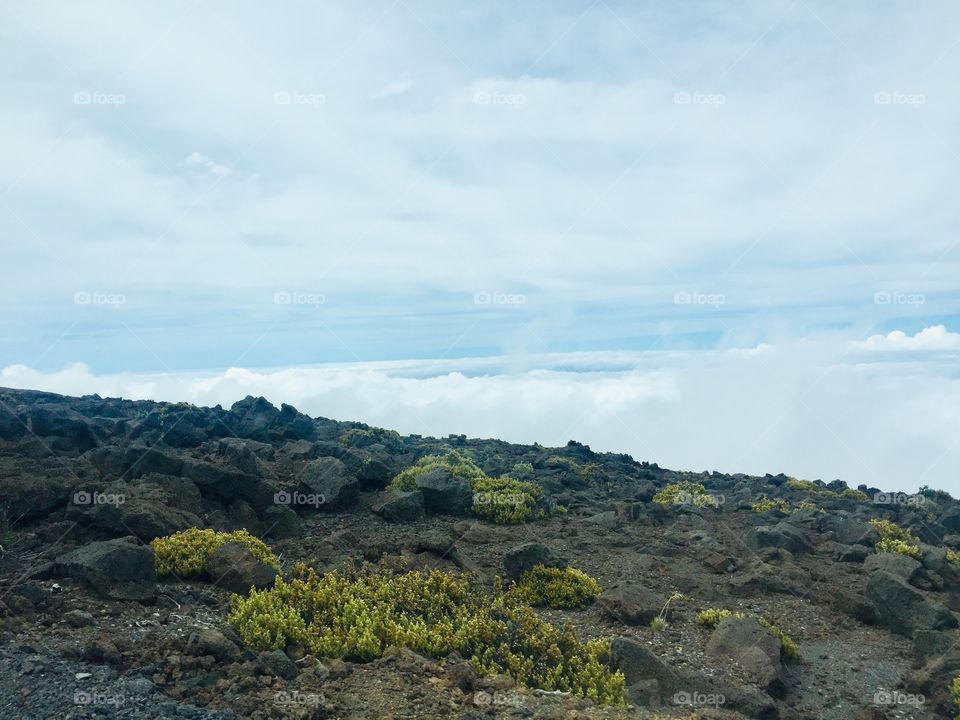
(955, 695)
(812, 488)
(711, 617)
(357, 615)
(184, 553)
(504, 500)
(953, 557)
(556, 588)
(686, 492)
(895, 539)
(765, 503)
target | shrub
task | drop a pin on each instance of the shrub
(555, 588)
(507, 501)
(357, 615)
(711, 617)
(184, 553)
(895, 539)
(953, 557)
(361, 437)
(686, 492)
(765, 503)
(955, 695)
(504, 500)
(812, 488)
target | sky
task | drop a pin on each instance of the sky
(715, 235)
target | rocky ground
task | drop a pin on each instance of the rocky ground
(88, 630)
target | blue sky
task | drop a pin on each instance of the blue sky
(203, 185)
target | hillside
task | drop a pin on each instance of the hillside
(834, 614)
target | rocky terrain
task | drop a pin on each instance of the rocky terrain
(88, 629)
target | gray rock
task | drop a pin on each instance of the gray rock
(631, 603)
(395, 506)
(445, 493)
(278, 663)
(120, 569)
(78, 618)
(903, 608)
(782, 535)
(854, 605)
(235, 568)
(280, 522)
(521, 558)
(331, 479)
(754, 648)
(210, 641)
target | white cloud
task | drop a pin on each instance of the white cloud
(933, 338)
(805, 408)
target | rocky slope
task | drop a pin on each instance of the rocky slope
(88, 630)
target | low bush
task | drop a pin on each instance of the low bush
(686, 492)
(184, 553)
(556, 588)
(895, 539)
(357, 615)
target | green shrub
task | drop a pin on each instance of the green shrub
(895, 539)
(555, 588)
(764, 504)
(361, 437)
(711, 617)
(955, 695)
(184, 553)
(953, 557)
(357, 615)
(504, 500)
(507, 501)
(812, 488)
(686, 492)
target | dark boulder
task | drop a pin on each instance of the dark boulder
(233, 567)
(521, 558)
(903, 608)
(445, 493)
(121, 569)
(330, 482)
(394, 506)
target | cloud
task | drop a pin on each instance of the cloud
(933, 338)
(808, 409)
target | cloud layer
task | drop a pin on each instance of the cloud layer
(814, 409)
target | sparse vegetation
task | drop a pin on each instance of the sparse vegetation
(659, 623)
(811, 488)
(764, 504)
(955, 695)
(711, 617)
(555, 588)
(504, 500)
(686, 492)
(362, 437)
(184, 553)
(895, 539)
(357, 615)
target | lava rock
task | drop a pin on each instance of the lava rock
(232, 566)
(631, 603)
(445, 493)
(754, 648)
(121, 569)
(903, 608)
(395, 506)
(331, 480)
(521, 558)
